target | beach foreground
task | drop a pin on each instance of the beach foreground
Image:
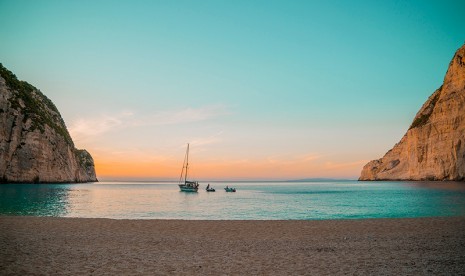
(49, 245)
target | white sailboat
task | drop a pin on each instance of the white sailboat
(187, 186)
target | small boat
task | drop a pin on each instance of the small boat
(230, 190)
(187, 186)
(209, 189)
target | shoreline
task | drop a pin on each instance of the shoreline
(54, 245)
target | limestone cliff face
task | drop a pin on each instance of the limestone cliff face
(35, 145)
(434, 146)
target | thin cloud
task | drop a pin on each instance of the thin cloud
(83, 128)
(208, 140)
(280, 159)
(97, 126)
(332, 165)
(311, 157)
(187, 115)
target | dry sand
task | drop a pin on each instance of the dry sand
(73, 246)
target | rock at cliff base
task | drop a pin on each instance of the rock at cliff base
(434, 146)
(35, 145)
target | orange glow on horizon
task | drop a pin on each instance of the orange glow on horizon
(241, 169)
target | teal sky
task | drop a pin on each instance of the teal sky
(262, 89)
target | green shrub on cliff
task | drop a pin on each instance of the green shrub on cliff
(424, 118)
(37, 106)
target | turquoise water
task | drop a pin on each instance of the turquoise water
(252, 201)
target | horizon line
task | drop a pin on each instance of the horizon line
(234, 180)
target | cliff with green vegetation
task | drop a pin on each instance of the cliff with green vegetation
(35, 145)
(434, 146)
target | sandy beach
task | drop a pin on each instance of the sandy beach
(72, 246)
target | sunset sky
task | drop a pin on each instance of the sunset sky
(260, 89)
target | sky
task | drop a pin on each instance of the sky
(262, 90)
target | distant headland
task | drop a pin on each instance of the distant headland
(35, 145)
(434, 146)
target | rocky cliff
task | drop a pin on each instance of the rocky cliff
(434, 146)
(35, 145)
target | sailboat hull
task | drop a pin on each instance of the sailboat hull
(186, 188)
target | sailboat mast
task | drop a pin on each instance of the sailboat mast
(187, 162)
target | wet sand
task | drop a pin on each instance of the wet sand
(77, 246)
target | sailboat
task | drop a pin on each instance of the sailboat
(187, 186)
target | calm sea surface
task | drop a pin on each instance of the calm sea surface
(252, 201)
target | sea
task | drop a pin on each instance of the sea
(304, 200)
